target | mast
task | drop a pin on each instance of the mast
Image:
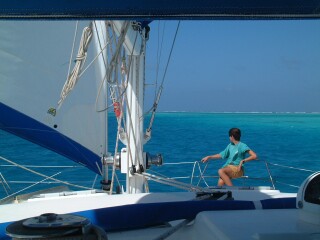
(132, 160)
(135, 129)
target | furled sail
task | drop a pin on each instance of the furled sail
(34, 58)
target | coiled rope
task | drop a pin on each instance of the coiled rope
(80, 60)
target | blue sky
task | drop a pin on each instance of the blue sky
(230, 66)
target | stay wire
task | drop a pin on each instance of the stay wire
(159, 54)
(174, 41)
(155, 105)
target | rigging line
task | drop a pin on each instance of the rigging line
(166, 177)
(185, 177)
(159, 49)
(270, 176)
(178, 163)
(174, 40)
(284, 166)
(287, 184)
(117, 144)
(124, 30)
(40, 174)
(36, 166)
(116, 150)
(5, 184)
(51, 177)
(160, 174)
(196, 163)
(123, 72)
(105, 66)
(112, 92)
(174, 182)
(129, 111)
(46, 182)
(159, 56)
(93, 60)
(122, 96)
(117, 99)
(115, 155)
(158, 64)
(155, 106)
(98, 167)
(94, 181)
(203, 177)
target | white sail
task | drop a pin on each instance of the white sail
(31, 79)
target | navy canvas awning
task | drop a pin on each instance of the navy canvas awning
(160, 9)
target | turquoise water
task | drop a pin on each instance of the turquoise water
(284, 139)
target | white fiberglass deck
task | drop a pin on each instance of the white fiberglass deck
(270, 224)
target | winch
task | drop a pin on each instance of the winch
(55, 226)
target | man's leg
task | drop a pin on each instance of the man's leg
(220, 182)
(225, 175)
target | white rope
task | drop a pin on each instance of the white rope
(80, 60)
(74, 41)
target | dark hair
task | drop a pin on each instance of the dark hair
(236, 133)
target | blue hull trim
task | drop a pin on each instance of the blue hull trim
(150, 214)
(25, 127)
(279, 203)
(160, 9)
(137, 216)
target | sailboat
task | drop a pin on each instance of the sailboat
(61, 102)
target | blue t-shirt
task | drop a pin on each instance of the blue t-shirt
(234, 153)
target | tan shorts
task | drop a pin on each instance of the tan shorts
(235, 172)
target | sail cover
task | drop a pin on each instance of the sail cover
(34, 58)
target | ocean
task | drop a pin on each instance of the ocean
(288, 142)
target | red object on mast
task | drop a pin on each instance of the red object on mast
(116, 109)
